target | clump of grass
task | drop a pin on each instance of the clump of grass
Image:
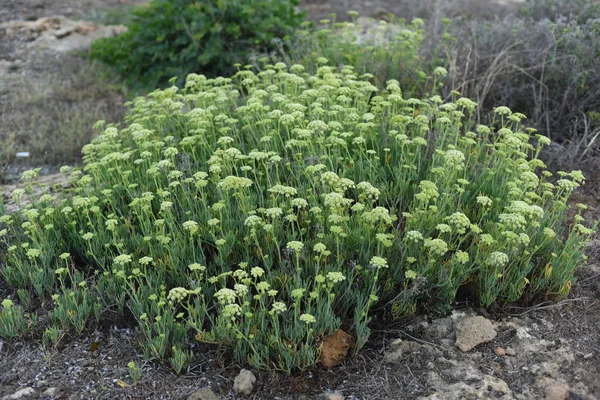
(268, 210)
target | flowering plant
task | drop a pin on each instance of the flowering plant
(268, 210)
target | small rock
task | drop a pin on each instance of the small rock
(472, 331)
(19, 394)
(244, 382)
(439, 328)
(50, 392)
(493, 384)
(401, 347)
(500, 352)
(331, 396)
(547, 368)
(557, 391)
(203, 394)
(510, 352)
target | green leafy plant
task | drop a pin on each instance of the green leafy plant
(168, 38)
(266, 211)
(134, 372)
(13, 322)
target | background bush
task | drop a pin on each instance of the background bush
(171, 38)
(380, 49)
(547, 70)
(266, 211)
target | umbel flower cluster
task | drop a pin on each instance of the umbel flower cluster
(267, 210)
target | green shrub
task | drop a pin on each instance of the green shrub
(561, 10)
(169, 38)
(266, 211)
(381, 50)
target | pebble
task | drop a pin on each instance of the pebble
(244, 382)
(50, 392)
(19, 394)
(500, 352)
(557, 391)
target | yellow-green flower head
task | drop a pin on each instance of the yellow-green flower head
(122, 259)
(230, 311)
(232, 182)
(454, 159)
(196, 267)
(17, 194)
(378, 215)
(256, 272)
(111, 224)
(443, 228)
(191, 226)
(484, 201)
(335, 277)
(253, 221)
(240, 289)
(368, 192)
(226, 296)
(166, 205)
(378, 262)
(299, 203)
(33, 253)
(295, 245)
(286, 191)
(439, 71)
(278, 307)
(460, 222)
(498, 259)
(437, 247)
(512, 222)
(7, 304)
(330, 178)
(273, 212)
(428, 191)
(549, 233)
(262, 286)
(213, 222)
(31, 214)
(410, 274)
(64, 256)
(145, 260)
(502, 110)
(298, 293)
(414, 236)
(308, 319)
(461, 257)
(336, 200)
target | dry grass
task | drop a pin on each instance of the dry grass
(50, 115)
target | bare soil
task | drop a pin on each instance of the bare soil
(78, 373)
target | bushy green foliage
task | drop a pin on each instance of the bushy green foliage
(555, 10)
(382, 50)
(266, 211)
(171, 38)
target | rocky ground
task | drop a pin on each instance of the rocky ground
(545, 351)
